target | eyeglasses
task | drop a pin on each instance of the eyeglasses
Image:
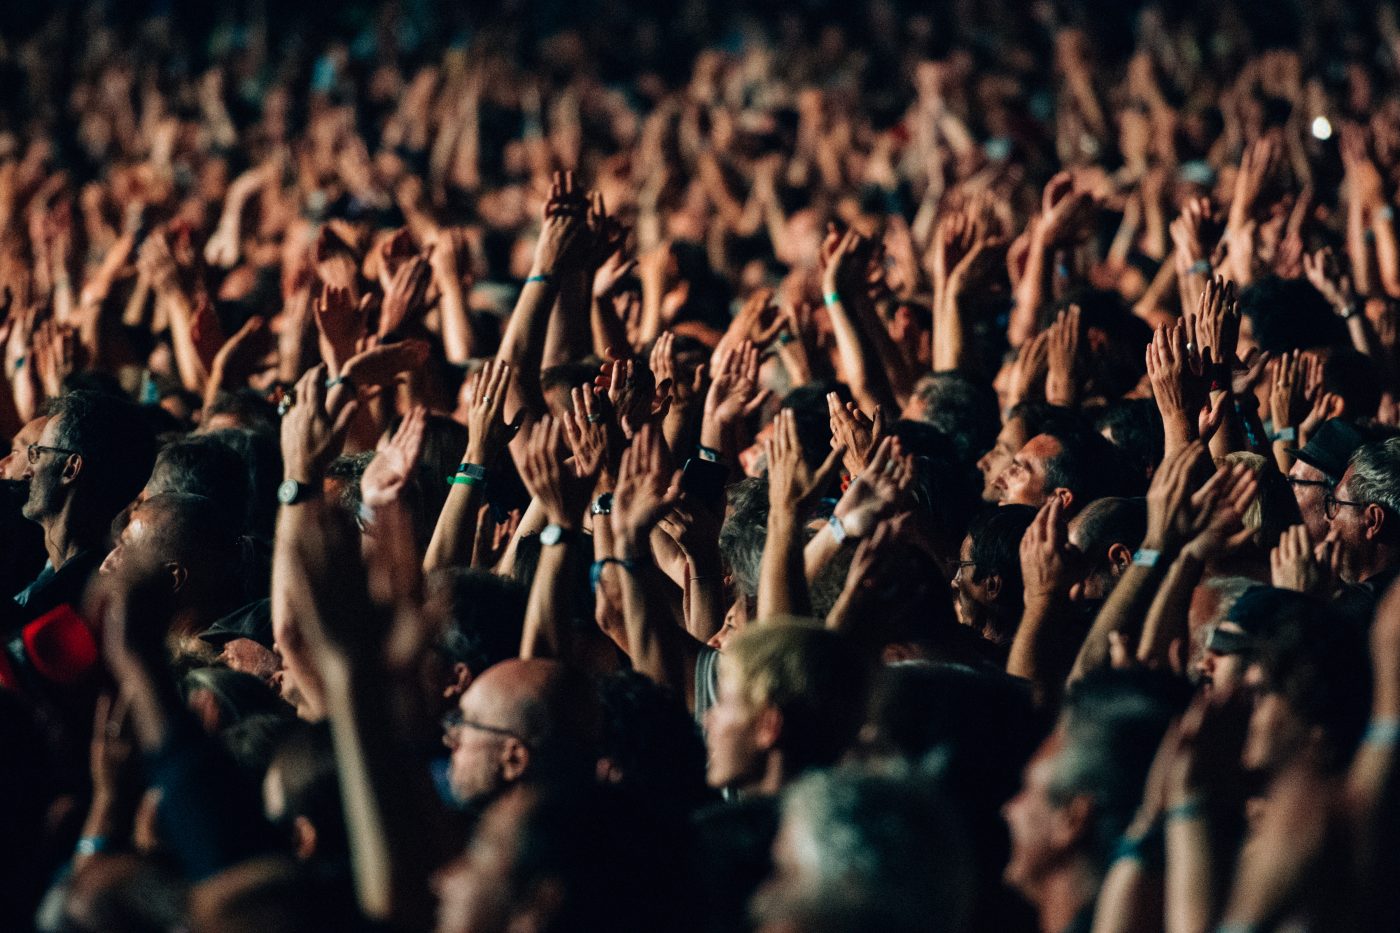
(1331, 505)
(454, 721)
(1308, 482)
(34, 450)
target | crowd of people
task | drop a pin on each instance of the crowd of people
(700, 468)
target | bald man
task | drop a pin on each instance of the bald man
(523, 721)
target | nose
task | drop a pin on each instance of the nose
(111, 562)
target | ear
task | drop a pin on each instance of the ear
(1119, 557)
(458, 680)
(768, 727)
(303, 838)
(515, 759)
(1374, 517)
(1064, 495)
(179, 576)
(992, 582)
(608, 771)
(72, 466)
(1073, 821)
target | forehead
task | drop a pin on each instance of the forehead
(1301, 470)
(1012, 434)
(49, 435)
(31, 432)
(1042, 447)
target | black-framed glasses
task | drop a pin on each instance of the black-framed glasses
(454, 722)
(34, 450)
(1331, 505)
(1293, 481)
(964, 567)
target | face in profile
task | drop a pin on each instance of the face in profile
(1023, 480)
(1040, 834)
(731, 734)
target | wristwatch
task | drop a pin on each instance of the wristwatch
(291, 492)
(553, 534)
(474, 470)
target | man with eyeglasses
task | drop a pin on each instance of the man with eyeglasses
(522, 721)
(1363, 517)
(1318, 467)
(91, 459)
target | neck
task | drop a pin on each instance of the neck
(61, 539)
(776, 775)
(1063, 893)
(1378, 560)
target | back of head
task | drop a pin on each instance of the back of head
(1113, 721)
(744, 532)
(860, 852)
(482, 613)
(202, 536)
(651, 742)
(555, 709)
(1134, 426)
(1115, 520)
(116, 445)
(305, 766)
(1375, 477)
(1275, 508)
(202, 465)
(962, 408)
(817, 679)
(262, 471)
(1087, 465)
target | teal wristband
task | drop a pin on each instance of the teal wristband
(1382, 731)
(463, 479)
(1189, 809)
(831, 298)
(537, 278)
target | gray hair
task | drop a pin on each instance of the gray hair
(878, 851)
(1375, 474)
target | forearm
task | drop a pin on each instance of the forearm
(522, 345)
(391, 814)
(651, 637)
(1387, 251)
(457, 342)
(1128, 602)
(1192, 894)
(782, 584)
(704, 598)
(452, 538)
(609, 333)
(860, 362)
(1030, 292)
(1167, 618)
(569, 336)
(548, 605)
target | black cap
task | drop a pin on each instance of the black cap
(251, 621)
(1331, 446)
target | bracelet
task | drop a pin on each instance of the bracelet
(1385, 212)
(1188, 809)
(838, 528)
(346, 381)
(1347, 311)
(1201, 267)
(595, 571)
(1146, 557)
(91, 845)
(1382, 731)
(1284, 434)
(831, 298)
(463, 479)
(707, 453)
(1146, 849)
(536, 278)
(784, 339)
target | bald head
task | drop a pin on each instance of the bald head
(524, 720)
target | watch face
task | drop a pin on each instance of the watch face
(287, 492)
(551, 534)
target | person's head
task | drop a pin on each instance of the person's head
(301, 794)
(195, 541)
(480, 615)
(1022, 423)
(1134, 426)
(1310, 680)
(1274, 507)
(1252, 619)
(14, 463)
(1082, 787)
(91, 459)
(1310, 488)
(742, 536)
(523, 721)
(858, 852)
(201, 466)
(553, 859)
(1363, 513)
(1106, 532)
(651, 744)
(219, 697)
(962, 408)
(988, 580)
(1211, 603)
(791, 696)
(1076, 466)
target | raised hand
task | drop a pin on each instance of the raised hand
(1219, 507)
(734, 389)
(561, 490)
(647, 488)
(792, 483)
(314, 427)
(485, 402)
(1214, 329)
(1170, 521)
(593, 437)
(1296, 564)
(1062, 377)
(336, 262)
(1046, 554)
(564, 239)
(684, 389)
(389, 473)
(381, 365)
(1287, 406)
(340, 320)
(1030, 367)
(1181, 388)
(1062, 210)
(405, 295)
(877, 491)
(1326, 275)
(1261, 160)
(632, 393)
(852, 431)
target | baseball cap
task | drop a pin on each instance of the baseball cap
(251, 621)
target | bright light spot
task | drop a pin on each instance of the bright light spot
(1321, 128)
